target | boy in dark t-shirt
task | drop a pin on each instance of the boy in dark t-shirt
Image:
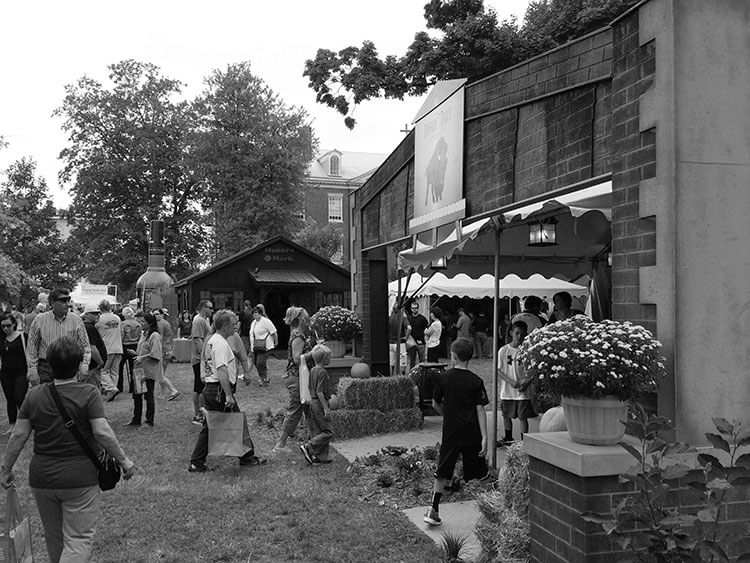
(460, 397)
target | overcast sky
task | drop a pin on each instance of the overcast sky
(47, 44)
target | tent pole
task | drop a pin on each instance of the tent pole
(397, 367)
(492, 438)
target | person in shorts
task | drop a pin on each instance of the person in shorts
(515, 400)
(460, 397)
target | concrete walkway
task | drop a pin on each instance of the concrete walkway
(458, 517)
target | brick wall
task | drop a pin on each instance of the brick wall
(633, 160)
(558, 498)
(585, 60)
(489, 161)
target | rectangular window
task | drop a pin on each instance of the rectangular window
(300, 213)
(335, 208)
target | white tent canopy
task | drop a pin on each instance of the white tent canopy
(464, 286)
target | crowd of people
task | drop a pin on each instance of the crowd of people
(89, 355)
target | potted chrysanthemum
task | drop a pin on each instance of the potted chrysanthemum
(337, 326)
(596, 369)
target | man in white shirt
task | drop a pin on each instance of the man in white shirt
(219, 370)
(108, 326)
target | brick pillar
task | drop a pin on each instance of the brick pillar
(567, 479)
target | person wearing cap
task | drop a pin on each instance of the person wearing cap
(48, 327)
(91, 314)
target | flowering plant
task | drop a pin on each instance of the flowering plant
(581, 358)
(336, 323)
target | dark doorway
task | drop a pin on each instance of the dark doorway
(276, 302)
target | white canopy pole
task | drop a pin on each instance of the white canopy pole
(492, 439)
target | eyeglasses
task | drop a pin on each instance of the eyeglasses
(63, 299)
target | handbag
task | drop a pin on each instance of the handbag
(139, 381)
(259, 344)
(410, 342)
(228, 434)
(15, 541)
(106, 465)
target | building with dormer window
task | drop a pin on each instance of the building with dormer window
(332, 176)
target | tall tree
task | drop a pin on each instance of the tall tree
(466, 42)
(126, 161)
(29, 235)
(252, 152)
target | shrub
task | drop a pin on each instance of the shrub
(503, 527)
(378, 393)
(363, 422)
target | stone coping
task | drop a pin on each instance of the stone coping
(558, 449)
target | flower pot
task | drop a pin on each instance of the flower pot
(595, 421)
(337, 347)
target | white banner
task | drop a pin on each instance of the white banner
(438, 165)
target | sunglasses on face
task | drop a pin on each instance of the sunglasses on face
(9, 325)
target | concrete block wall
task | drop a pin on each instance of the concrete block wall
(633, 161)
(588, 59)
(558, 498)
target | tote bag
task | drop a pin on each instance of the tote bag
(304, 384)
(15, 542)
(228, 434)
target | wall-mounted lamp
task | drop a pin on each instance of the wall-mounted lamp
(439, 264)
(543, 233)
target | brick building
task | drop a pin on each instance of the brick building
(332, 176)
(636, 104)
(656, 104)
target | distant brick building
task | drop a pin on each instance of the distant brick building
(332, 176)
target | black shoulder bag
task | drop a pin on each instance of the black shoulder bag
(106, 465)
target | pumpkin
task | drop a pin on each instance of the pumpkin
(360, 370)
(553, 421)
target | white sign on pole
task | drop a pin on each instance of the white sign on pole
(438, 165)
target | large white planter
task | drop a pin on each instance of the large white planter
(595, 421)
(337, 347)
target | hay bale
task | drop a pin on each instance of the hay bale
(503, 527)
(378, 393)
(349, 423)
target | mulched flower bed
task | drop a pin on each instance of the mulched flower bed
(403, 478)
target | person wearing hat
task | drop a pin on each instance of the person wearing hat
(48, 327)
(91, 314)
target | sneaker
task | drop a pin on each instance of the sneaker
(197, 468)
(198, 420)
(432, 517)
(132, 423)
(173, 396)
(309, 458)
(149, 424)
(281, 450)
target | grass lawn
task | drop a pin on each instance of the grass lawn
(282, 511)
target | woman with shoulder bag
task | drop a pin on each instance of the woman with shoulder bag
(148, 360)
(13, 366)
(296, 318)
(62, 477)
(263, 339)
